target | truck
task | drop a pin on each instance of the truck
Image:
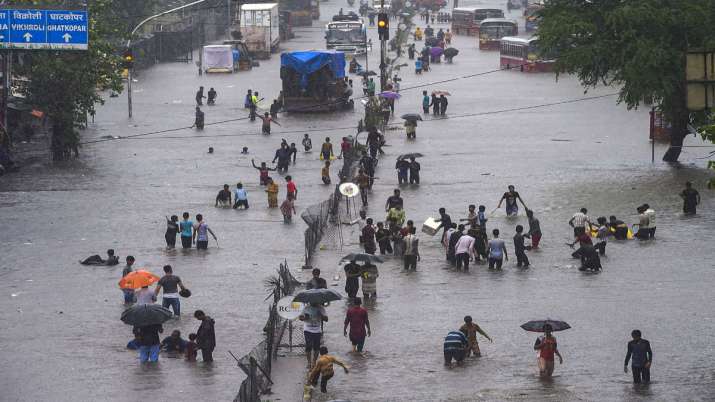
(260, 28)
(218, 59)
(314, 81)
(346, 33)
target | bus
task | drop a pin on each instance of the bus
(491, 30)
(524, 55)
(531, 15)
(347, 34)
(466, 20)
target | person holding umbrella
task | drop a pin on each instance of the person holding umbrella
(147, 320)
(547, 347)
(313, 317)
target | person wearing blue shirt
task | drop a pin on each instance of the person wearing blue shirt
(241, 197)
(186, 226)
(455, 345)
(425, 97)
(174, 342)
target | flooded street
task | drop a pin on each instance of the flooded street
(62, 339)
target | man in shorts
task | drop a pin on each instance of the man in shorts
(313, 317)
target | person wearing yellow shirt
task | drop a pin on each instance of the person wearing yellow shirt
(323, 369)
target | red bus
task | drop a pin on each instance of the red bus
(523, 54)
(466, 20)
(491, 30)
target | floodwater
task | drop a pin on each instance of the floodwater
(61, 337)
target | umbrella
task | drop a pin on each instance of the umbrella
(538, 325)
(436, 51)
(390, 95)
(366, 73)
(411, 116)
(138, 279)
(349, 189)
(431, 41)
(450, 52)
(317, 296)
(363, 257)
(141, 315)
(408, 156)
(438, 93)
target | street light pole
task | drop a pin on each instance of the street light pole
(129, 44)
(383, 65)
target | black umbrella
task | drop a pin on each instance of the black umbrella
(409, 156)
(450, 52)
(362, 257)
(411, 116)
(141, 315)
(319, 296)
(366, 73)
(538, 325)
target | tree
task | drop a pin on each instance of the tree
(67, 84)
(639, 45)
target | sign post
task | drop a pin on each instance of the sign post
(43, 29)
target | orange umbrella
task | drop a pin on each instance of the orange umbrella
(138, 279)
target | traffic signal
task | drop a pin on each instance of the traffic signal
(128, 59)
(383, 26)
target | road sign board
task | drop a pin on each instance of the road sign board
(43, 29)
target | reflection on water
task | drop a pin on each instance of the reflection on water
(64, 318)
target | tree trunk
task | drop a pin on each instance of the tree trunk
(678, 132)
(679, 118)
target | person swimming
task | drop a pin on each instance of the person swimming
(97, 260)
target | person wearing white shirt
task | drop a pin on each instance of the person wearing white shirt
(650, 213)
(412, 253)
(578, 222)
(464, 250)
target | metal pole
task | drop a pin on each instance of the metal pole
(383, 66)
(6, 83)
(201, 48)
(129, 91)
(228, 14)
(136, 28)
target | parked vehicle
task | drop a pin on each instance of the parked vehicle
(260, 28)
(466, 20)
(491, 30)
(314, 81)
(524, 55)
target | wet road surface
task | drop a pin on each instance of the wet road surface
(62, 338)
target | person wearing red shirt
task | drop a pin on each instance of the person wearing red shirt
(357, 319)
(547, 347)
(292, 189)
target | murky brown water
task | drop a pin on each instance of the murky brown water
(62, 338)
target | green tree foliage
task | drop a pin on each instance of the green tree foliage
(707, 131)
(68, 84)
(638, 45)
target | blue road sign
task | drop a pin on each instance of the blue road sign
(43, 29)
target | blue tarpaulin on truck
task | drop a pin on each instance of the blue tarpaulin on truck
(308, 62)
